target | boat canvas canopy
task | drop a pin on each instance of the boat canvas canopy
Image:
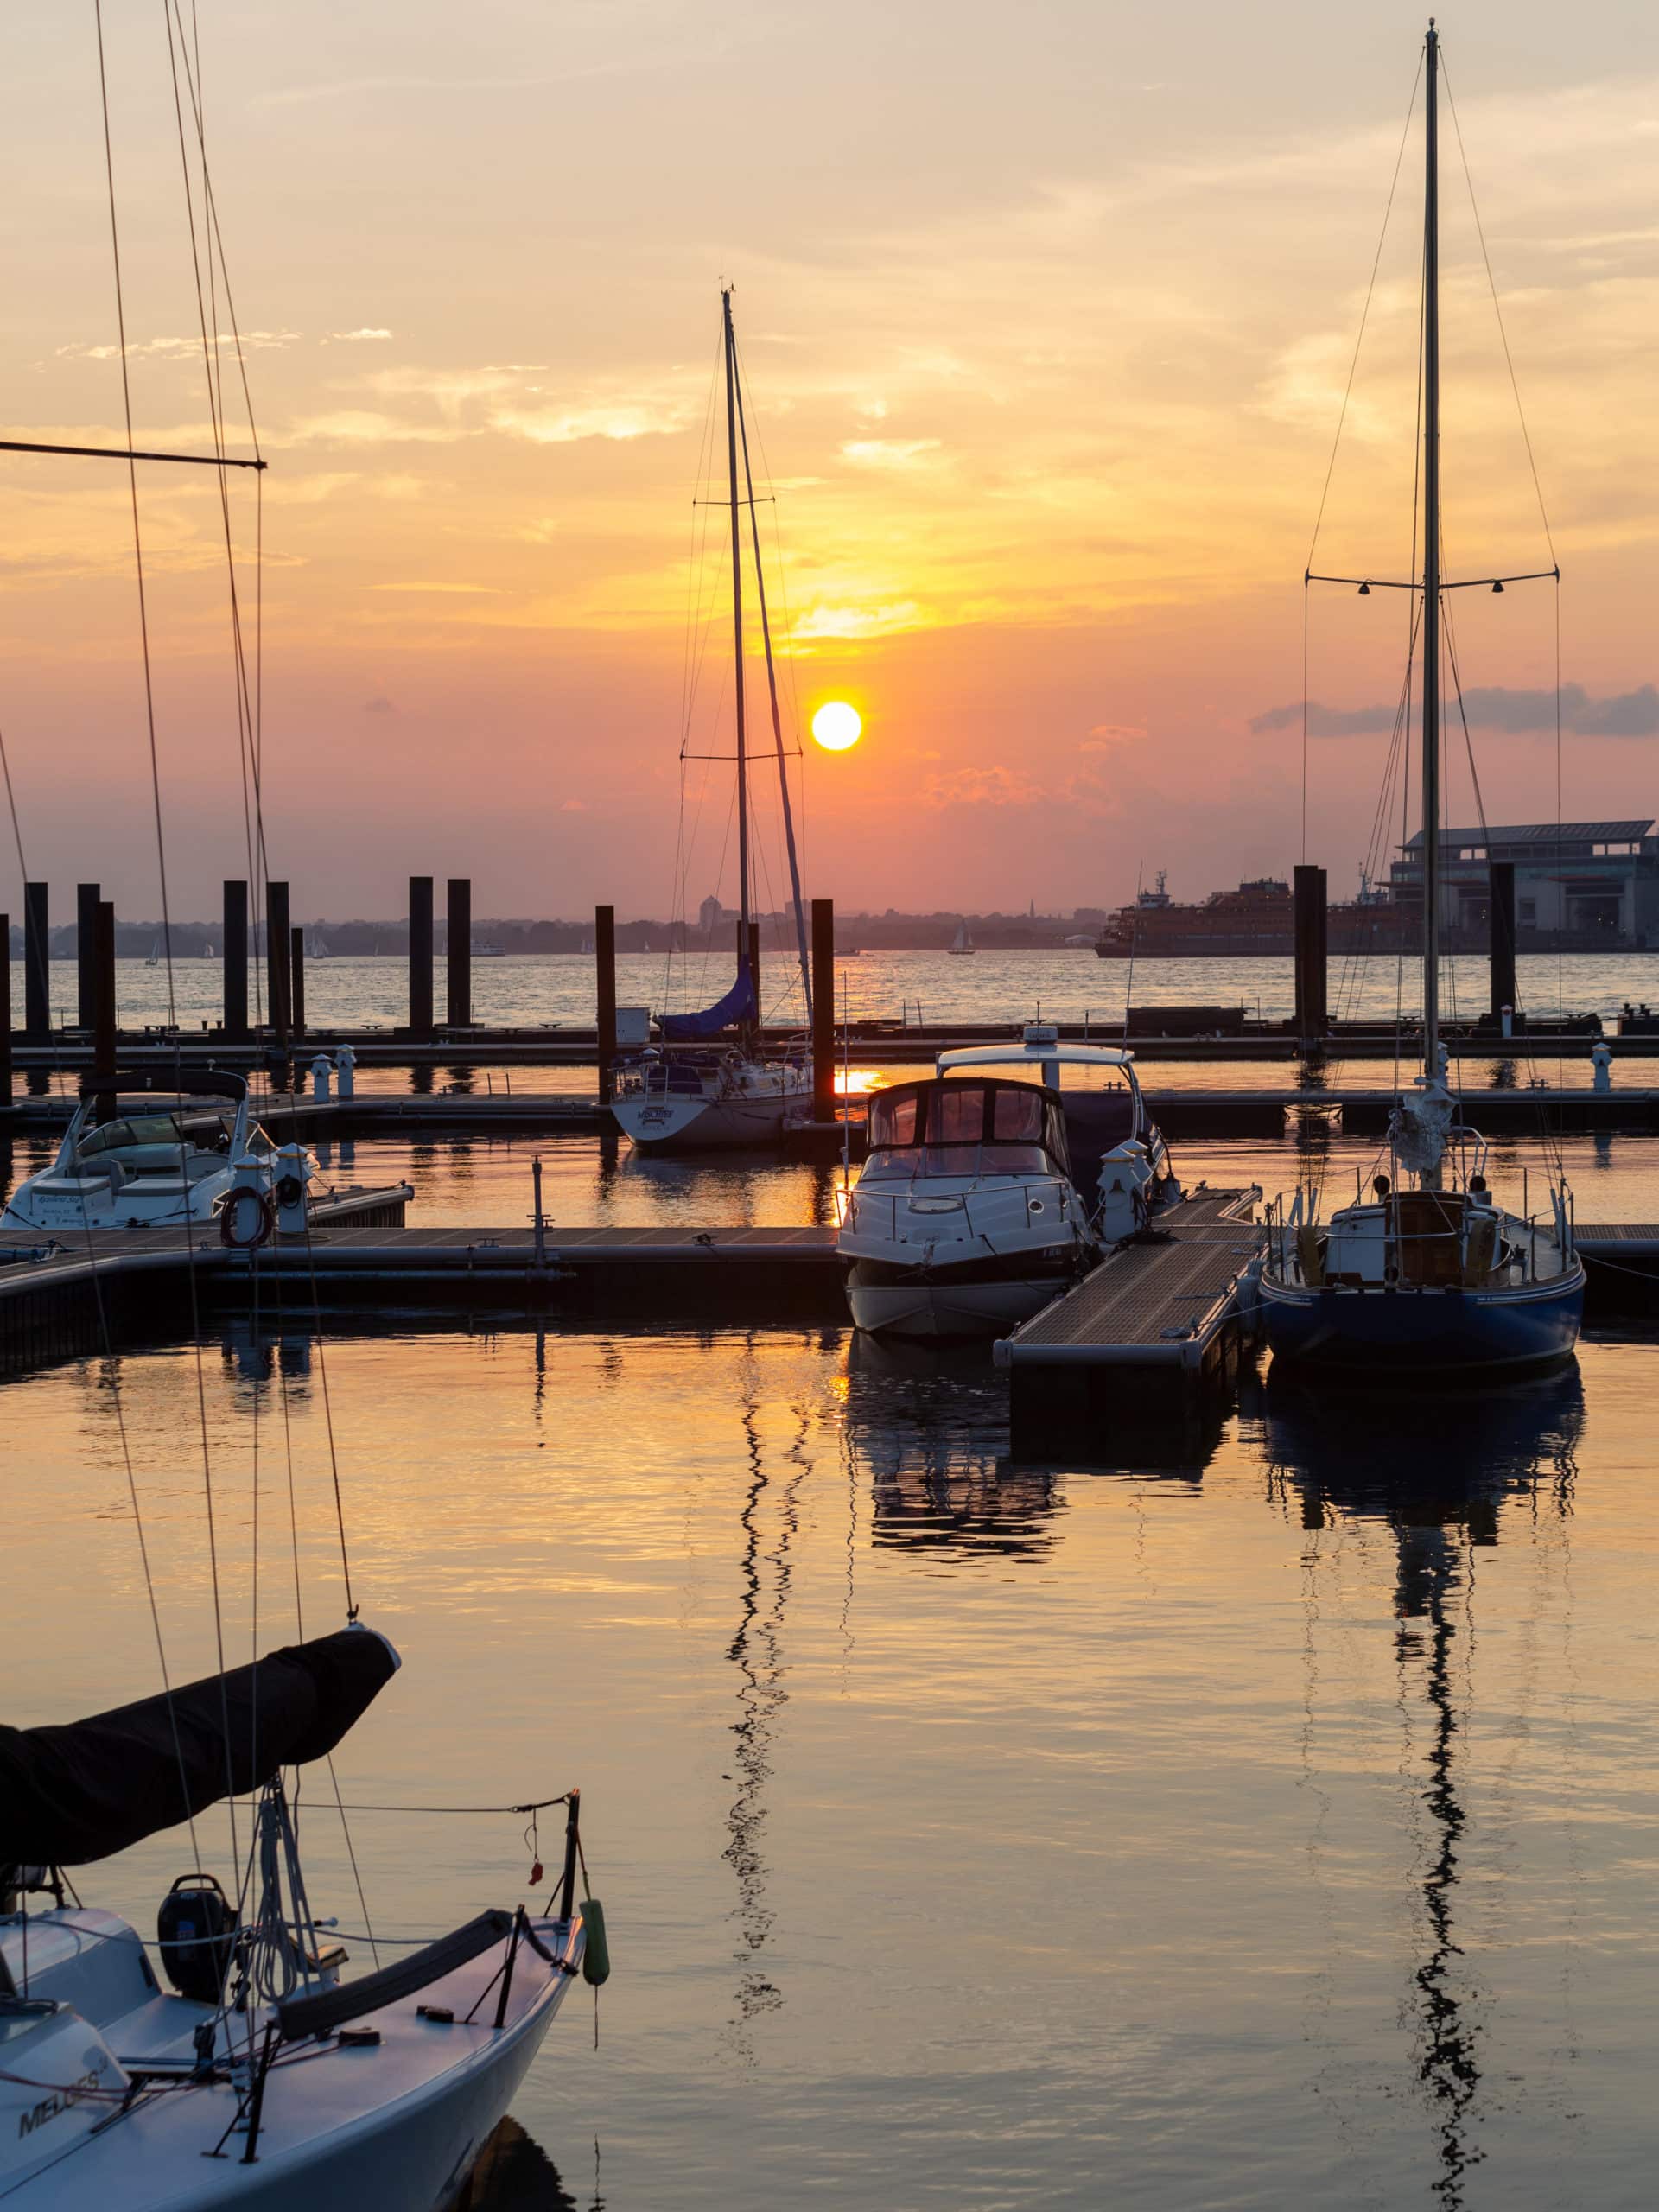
(208, 1083)
(79, 1791)
(739, 1005)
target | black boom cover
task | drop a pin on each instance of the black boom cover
(82, 1790)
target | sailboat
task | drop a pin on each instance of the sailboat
(317, 947)
(962, 942)
(261, 2078)
(152, 958)
(1430, 1274)
(699, 1093)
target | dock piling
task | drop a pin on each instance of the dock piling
(604, 994)
(420, 959)
(1501, 911)
(457, 955)
(86, 898)
(1312, 1015)
(5, 1015)
(823, 1010)
(278, 1003)
(233, 947)
(104, 988)
(296, 980)
(37, 954)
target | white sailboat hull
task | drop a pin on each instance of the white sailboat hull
(393, 2127)
(746, 1116)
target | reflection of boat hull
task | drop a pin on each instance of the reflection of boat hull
(1410, 1330)
(976, 1297)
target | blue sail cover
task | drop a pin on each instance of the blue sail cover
(738, 1005)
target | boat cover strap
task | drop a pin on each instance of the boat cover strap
(328, 2009)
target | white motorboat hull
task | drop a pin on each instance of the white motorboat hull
(935, 1309)
(51, 1205)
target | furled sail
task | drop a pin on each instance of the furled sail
(738, 1005)
(85, 1789)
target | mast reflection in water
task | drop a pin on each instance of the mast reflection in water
(1440, 1470)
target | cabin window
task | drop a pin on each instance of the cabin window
(893, 1121)
(1019, 1114)
(957, 1116)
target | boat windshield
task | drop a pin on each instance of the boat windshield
(908, 1159)
(136, 1128)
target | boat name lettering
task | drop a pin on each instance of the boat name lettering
(60, 2102)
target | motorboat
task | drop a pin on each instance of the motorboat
(713, 1098)
(968, 1216)
(129, 1160)
(263, 2077)
(712, 1088)
(1430, 1275)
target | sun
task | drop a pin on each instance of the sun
(837, 726)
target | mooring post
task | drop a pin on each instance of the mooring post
(420, 959)
(279, 1004)
(233, 949)
(5, 1013)
(823, 1010)
(37, 955)
(296, 980)
(104, 997)
(86, 897)
(567, 1876)
(540, 1218)
(1500, 905)
(604, 996)
(1310, 927)
(459, 953)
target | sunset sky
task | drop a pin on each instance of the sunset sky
(1046, 315)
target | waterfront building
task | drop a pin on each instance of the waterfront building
(1583, 886)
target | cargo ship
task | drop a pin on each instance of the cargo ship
(1257, 921)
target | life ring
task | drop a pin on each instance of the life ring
(264, 1219)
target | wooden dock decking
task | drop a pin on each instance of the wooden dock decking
(1163, 1303)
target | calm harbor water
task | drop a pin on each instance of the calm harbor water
(1065, 985)
(1271, 1828)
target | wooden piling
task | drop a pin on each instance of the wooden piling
(104, 988)
(1310, 926)
(86, 898)
(278, 1001)
(420, 959)
(604, 994)
(37, 954)
(296, 980)
(1501, 909)
(459, 953)
(5, 1013)
(234, 950)
(823, 1010)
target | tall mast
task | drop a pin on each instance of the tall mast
(776, 719)
(737, 634)
(1430, 747)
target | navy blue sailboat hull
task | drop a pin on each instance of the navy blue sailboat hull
(1423, 1330)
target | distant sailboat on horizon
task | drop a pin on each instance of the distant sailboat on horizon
(962, 942)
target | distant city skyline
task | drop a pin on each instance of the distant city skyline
(1048, 327)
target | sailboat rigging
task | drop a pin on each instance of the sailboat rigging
(729, 1095)
(1432, 1277)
